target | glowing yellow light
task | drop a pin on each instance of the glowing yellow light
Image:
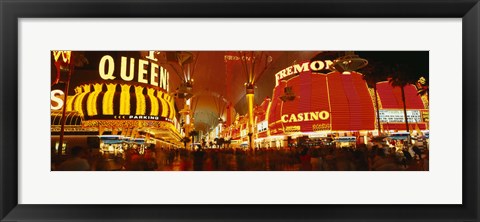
(101, 129)
(250, 98)
(142, 72)
(134, 134)
(107, 102)
(141, 104)
(172, 108)
(125, 100)
(70, 103)
(107, 75)
(77, 90)
(422, 80)
(79, 100)
(154, 102)
(65, 55)
(164, 104)
(58, 100)
(92, 100)
(267, 115)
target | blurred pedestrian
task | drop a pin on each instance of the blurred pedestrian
(305, 159)
(315, 159)
(76, 162)
(383, 163)
(417, 151)
(198, 158)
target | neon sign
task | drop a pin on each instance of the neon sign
(299, 68)
(397, 116)
(321, 127)
(66, 55)
(140, 70)
(291, 129)
(56, 98)
(306, 116)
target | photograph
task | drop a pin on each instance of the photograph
(239, 110)
(281, 110)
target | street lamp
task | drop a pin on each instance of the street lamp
(349, 62)
(250, 89)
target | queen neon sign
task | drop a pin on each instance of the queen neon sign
(131, 69)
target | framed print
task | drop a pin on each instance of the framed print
(224, 110)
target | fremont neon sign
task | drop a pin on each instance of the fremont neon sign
(306, 116)
(304, 67)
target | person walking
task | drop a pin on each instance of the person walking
(75, 163)
(198, 159)
(305, 159)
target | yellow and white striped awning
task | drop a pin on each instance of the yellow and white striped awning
(102, 101)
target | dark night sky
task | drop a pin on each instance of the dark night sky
(418, 60)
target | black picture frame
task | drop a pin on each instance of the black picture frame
(11, 11)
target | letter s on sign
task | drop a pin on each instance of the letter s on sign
(111, 67)
(54, 98)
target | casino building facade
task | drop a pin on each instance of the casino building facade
(307, 104)
(126, 95)
(123, 100)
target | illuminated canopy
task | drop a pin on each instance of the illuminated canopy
(114, 101)
(71, 118)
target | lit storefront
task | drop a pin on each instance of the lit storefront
(309, 102)
(391, 108)
(126, 97)
(261, 124)
(237, 132)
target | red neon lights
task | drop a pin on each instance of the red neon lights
(391, 97)
(351, 105)
(401, 126)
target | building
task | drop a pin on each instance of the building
(129, 100)
(311, 102)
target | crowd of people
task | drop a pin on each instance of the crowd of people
(302, 158)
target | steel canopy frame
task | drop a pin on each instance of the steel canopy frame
(12, 10)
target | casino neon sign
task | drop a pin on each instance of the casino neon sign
(305, 116)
